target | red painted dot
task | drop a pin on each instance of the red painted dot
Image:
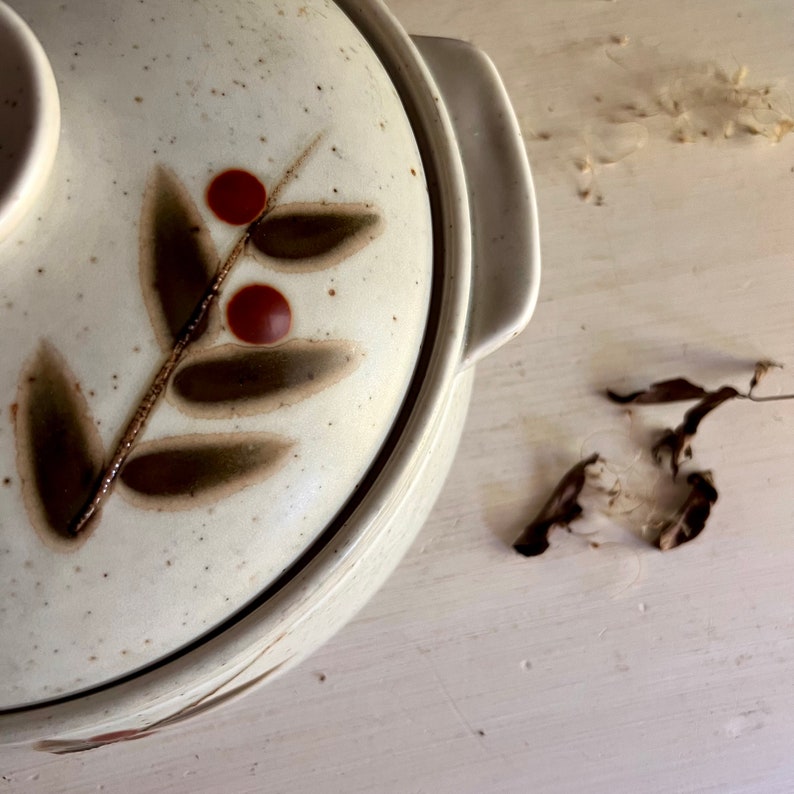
(259, 314)
(236, 196)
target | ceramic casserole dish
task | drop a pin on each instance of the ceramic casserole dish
(251, 252)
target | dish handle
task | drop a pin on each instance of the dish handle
(502, 205)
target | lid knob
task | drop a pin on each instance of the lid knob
(30, 119)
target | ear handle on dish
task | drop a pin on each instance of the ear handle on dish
(503, 210)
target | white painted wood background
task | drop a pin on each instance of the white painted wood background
(588, 670)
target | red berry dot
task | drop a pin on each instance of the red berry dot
(259, 314)
(236, 196)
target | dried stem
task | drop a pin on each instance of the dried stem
(771, 399)
(155, 391)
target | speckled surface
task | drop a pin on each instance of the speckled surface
(213, 86)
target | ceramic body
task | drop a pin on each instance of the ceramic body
(484, 292)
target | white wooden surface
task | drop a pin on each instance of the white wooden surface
(609, 669)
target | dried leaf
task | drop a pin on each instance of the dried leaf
(678, 441)
(690, 520)
(308, 237)
(665, 391)
(184, 472)
(177, 256)
(248, 380)
(561, 508)
(59, 451)
(760, 372)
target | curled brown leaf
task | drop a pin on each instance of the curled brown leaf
(664, 391)
(678, 441)
(560, 509)
(59, 449)
(690, 519)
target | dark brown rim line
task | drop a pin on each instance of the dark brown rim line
(432, 165)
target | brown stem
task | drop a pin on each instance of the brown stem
(771, 399)
(133, 430)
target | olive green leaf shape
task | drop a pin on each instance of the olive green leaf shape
(177, 258)
(188, 471)
(249, 380)
(308, 237)
(59, 452)
(761, 370)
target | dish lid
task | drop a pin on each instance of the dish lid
(210, 318)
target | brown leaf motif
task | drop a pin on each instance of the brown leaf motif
(187, 471)
(308, 237)
(690, 519)
(249, 380)
(70, 746)
(59, 451)
(177, 256)
(65, 474)
(561, 508)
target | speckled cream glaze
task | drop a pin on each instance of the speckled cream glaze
(385, 289)
(290, 93)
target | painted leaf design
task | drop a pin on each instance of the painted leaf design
(248, 380)
(69, 746)
(307, 237)
(206, 703)
(177, 256)
(761, 371)
(211, 701)
(188, 471)
(59, 450)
